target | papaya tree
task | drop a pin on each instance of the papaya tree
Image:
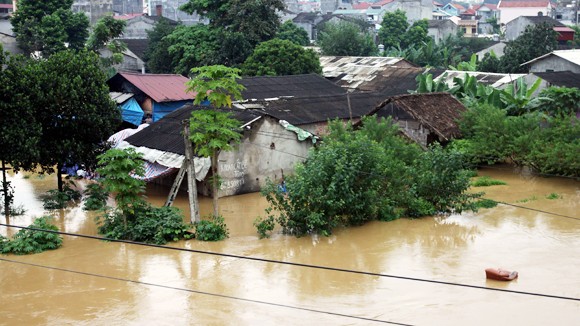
(213, 131)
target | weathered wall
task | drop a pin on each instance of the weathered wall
(137, 27)
(266, 150)
(554, 63)
(515, 28)
(94, 9)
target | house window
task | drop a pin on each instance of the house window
(540, 13)
(473, 31)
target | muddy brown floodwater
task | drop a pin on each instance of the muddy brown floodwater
(91, 282)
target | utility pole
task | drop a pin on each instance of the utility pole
(191, 185)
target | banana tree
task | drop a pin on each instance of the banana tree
(518, 97)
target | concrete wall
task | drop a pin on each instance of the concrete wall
(508, 14)
(416, 9)
(516, 27)
(554, 63)
(137, 27)
(267, 149)
(444, 31)
(94, 9)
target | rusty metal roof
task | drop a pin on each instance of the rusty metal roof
(159, 87)
(387, 80)
(334, 66)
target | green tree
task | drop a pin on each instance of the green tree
(346, 39)
(560, 101)
(416, 35)
(393, 28)
(20, 128)
(292, 32)
(157, 56)
(74, 108)
(256, 19)
(212, 131)
(192, 46)
(46, 26)
(536, 41)
(281, 57)
(489, 63)
(104, 34)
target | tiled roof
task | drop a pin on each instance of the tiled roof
(166, 134)
(382, 2)
(5, 6)
(159, 87)
(438, 111)
(362, 5)
(308, 110)
(309, 85)
(523, 4)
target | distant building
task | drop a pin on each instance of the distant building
(94, 9)
(560, 60)
(512, 9)
(170, 9)
(516, 27)
(122, 7)
(441, 29)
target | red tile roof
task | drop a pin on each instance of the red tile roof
(6, 5)
(127, 16)
(362, 5)
(469, 12)
(457, 6)
(160, 87)
(382, 2)
(524, 4)
(437, 4)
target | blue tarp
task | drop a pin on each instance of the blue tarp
(132, 112)
(161, 109)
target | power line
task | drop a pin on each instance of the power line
(204, 292)
(335, 269)
(531, 209)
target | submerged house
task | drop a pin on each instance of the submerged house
(157, 94)
(130, 109)
(424, 118)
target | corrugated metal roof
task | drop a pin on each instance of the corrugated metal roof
(333, 66)
(488, 78)
(560, 78)
(120, 98)
(570, 55)
(386, 80)
(159, 87)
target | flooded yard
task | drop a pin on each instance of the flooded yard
(378, 273)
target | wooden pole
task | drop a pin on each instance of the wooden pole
(191, 185)
(5, 189)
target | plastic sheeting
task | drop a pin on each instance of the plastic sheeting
(301, 133)
(118, 137)
(161, 109)
(132, 112)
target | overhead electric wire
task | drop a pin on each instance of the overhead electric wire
(266, 260)
(205, 293)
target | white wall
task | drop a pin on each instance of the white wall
(508, 14)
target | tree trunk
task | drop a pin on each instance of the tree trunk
(59, 176)
(215, 182)
(5, 190)
(191, 185)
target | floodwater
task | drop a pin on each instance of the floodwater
(91, 282)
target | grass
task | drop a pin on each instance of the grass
(486, 181)
(553, 196)
(525, 200)
(485, 203)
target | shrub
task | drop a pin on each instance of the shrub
(157, 225)
(28, 241)
(55, 199)
(213, 229)
(486, 181)
(486, 203)
(265, 226)
(553, 196)
(96, 197)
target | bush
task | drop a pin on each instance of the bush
(28, 241)
(486, 203)
(96, 197)
(213, 229)
(157, 225)
(486, 181)
(265, 226)
(55, 199)
(553, 196)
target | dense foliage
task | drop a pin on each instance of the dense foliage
(368, 174)
(74, 109)
(346, 39)
(96, 197)
(536, 41)
(393, 28)
(280, 57)
(157, 56)
(45, 26)
(29, 241)
(293, 33)
(133, 218)
(212, 229)
(55, 199)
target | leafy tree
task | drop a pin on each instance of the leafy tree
(213, 131)
(157, 56)
(104, 33)
(292, 32)
(46, 26)
(192, 46)
(256, 19)
(489, 63)
(470, 65)
(20, 128)
(494, 24)
(74, 109)
(393, 28)
(416, 35)
(346, 39)
(281, 57)
(536, 41)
